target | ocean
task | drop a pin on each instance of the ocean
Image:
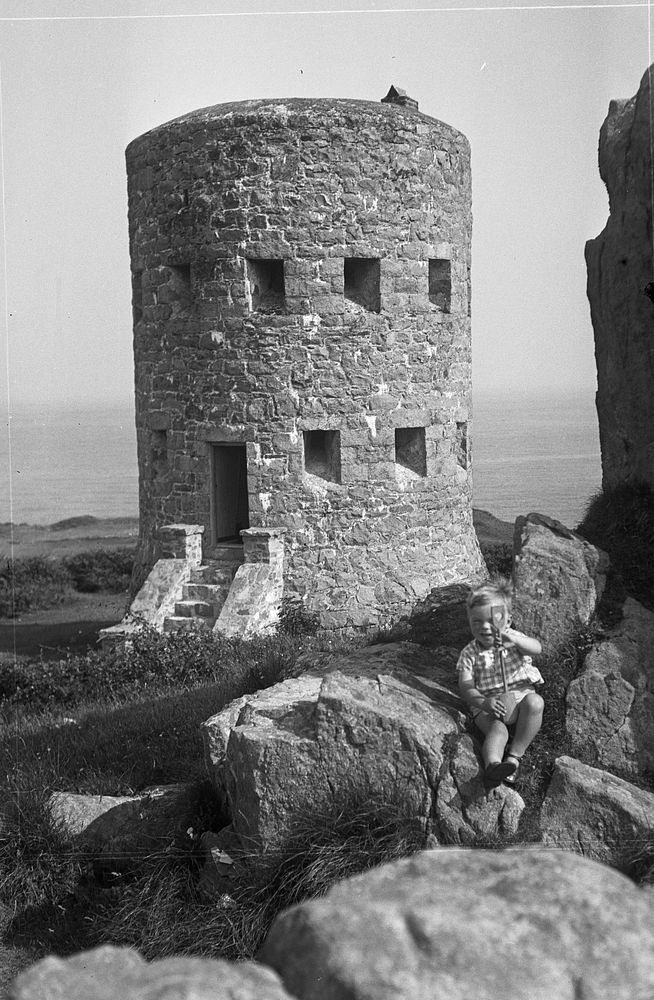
(68, 462)
(538, 453)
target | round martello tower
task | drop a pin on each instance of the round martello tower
(301, 300)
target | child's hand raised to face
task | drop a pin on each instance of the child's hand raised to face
(487, 621)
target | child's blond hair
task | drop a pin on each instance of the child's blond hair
(497, 589)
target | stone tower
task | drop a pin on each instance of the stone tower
(301, 299)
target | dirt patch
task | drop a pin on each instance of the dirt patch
(72, 627)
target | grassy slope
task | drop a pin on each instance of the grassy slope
(124, 747)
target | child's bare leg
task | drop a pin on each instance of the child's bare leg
(497, 736)
(530, 718)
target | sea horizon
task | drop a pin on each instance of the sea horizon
(531, 451)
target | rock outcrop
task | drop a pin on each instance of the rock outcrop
(382, 724)
(559, 578)
(595, 813)
(537, 924)
(150, 819)
(621, 294)
(530, 923)
(116, 829)
(610, 706)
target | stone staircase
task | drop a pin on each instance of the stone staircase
(206, 591)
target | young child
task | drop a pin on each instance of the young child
(480, 682)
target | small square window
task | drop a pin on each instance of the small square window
(440, 284)
(361, 282)
(265, 285)
(322, 454)
(410, 452)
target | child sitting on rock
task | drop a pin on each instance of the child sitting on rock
(482, 687)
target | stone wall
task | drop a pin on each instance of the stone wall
(620, 273)
(301, 290)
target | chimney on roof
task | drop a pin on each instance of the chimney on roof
(398, 96)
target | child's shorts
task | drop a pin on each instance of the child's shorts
(518, 693)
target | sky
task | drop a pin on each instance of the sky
(528, 85)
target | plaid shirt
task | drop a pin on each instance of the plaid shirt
(482, 667)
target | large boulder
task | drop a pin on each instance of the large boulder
(107, 972)
(621, 294)
(558, 577)
(595, 813)
(535, 924)
(610, 705)
(383, 724)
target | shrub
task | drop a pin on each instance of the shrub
(294, 619)
(37, 583)
(104, 569)
(150, 664)
(29, 583)
(621, 521)
(498, 557)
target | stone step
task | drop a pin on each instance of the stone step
(195, 609)
(221, 574)
(212, 593)
(177, 623)
(227, 553)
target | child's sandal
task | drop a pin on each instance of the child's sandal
(511, 778)
(499, 771)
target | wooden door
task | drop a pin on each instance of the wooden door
(230, 491)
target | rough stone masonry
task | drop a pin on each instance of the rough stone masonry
(301, 300)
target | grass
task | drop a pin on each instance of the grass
(116, 722)
(121, 725)
(63, 900)
(135, 723)
(324, 847)
(156, 906)
(38, 583)
(638, 861)
(151, 664)
(621, 522)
